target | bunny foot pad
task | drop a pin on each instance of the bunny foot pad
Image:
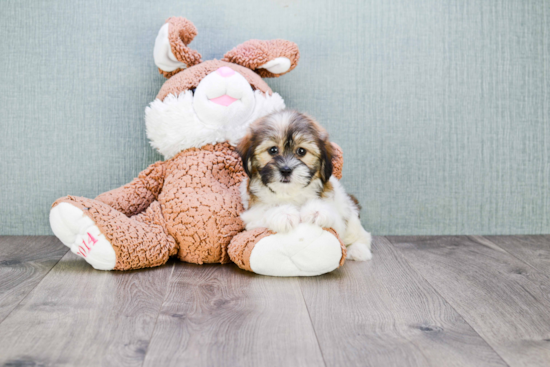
(78, 232)
(308, 250)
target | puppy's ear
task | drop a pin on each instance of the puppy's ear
(246, 150)
(171, 52)
(326, 159)
(270, 59)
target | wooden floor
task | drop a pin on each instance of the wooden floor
(422, 301)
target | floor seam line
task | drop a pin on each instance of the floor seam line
(446, 301)
(311, 322)
(508, 253)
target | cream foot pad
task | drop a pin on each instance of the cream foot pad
(78, 232)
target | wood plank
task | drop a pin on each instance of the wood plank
(534, 250)
(222, 316)
(78, 316)
(505, 300)
(382, 313)
(24, 261)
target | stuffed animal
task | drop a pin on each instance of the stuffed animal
(189, 205)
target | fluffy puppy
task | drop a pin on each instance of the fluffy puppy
(288, 159)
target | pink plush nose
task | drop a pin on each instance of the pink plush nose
(225, 71)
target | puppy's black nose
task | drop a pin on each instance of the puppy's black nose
(286, 170)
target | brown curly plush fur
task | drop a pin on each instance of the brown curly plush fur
(187, 206)
(337, 161)
(251, 54)
(255, 53)
(241, 246)
(191, 78)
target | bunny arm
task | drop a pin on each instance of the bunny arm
(136, 196)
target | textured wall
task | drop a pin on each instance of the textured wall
(442, 107)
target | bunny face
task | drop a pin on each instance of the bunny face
(224, 99)
(213, 101)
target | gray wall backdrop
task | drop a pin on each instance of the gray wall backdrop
(442, 107)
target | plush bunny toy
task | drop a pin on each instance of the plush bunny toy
(188, 205)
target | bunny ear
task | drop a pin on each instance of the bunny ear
(270, 59)
(171, 52)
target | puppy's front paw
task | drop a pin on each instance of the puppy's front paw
(317, 214)
(359, 252)
(283, 219)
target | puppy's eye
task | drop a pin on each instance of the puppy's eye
(301, 152)
(273, 150)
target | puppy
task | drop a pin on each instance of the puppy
(288, 159)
